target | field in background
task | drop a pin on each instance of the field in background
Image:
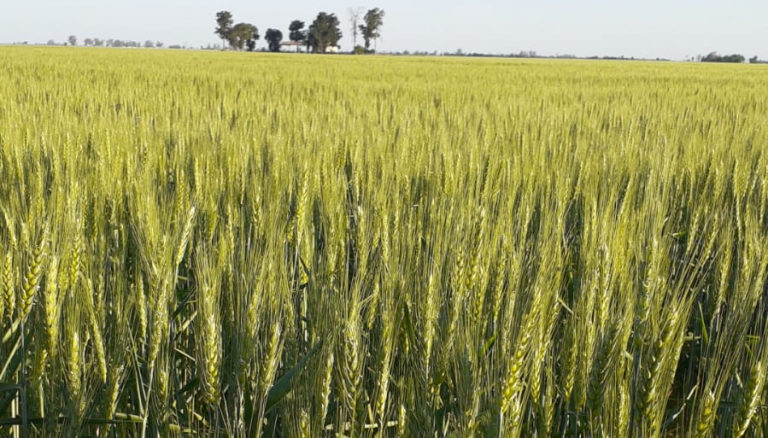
(226, 244)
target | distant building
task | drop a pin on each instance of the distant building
(297, 44)
(300, 44)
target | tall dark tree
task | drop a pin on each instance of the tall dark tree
(72, 40)
(371, 29)
(224, 24)
(324, 32)
(273, 37)
(297, 32)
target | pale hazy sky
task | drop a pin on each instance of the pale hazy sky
(649, 28)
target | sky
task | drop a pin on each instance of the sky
(671, 29)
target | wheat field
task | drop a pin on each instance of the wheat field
(238, 245)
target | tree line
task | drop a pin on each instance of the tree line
(322, 35)
(72, 40)
(98, 42)
(714, 57)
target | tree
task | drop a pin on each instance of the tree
(72, 40)
(224, 23)
(149, 44)
(243, 34)
(297, 33)
(51, 42)
(238, 36)
(97, 42)
(273, 37)
(371, 30)
(324, 32)
(159, 44)
(354, 21)
(87, 42)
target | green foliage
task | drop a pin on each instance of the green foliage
(239, 36)
(324, 32)
(516, 248)
(224, 23)
(297, 32)
(371, 30)
(273, 37)
(244, 34)
(714, 57)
